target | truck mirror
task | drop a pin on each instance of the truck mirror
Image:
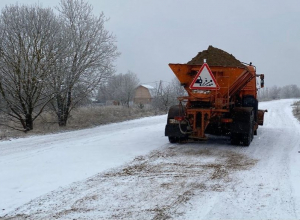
(262, 81)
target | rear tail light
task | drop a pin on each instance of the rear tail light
(179, 118)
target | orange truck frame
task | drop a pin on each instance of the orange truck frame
(231, 109)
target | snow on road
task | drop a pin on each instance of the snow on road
(207, 180)
(270, 190)
(33, 166)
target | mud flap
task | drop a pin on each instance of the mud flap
(172, 129)
(261, 114)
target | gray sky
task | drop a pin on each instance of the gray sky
(153, 33)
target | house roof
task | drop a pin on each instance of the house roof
(151, 89)
(148, 87)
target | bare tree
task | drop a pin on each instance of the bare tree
(28, 50)
(129, 82)
(166, 99)
(91, 53)
(274, 92)
(120, 88)
(168, 95)
(177, 88)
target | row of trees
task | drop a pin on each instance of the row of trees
(52, 60)
(275, 92)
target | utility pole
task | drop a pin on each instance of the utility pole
(159, 90)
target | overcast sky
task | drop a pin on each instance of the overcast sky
(153, 33)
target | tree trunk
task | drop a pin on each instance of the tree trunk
(62, 119)
(63, 108)
(28, 122)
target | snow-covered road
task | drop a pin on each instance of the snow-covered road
(31, 167)
(129, 170)
(271, 189)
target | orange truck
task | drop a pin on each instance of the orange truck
(221, 99)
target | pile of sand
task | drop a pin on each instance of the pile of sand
(216, 57)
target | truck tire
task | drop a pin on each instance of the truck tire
(234, 139)
(246, 139)
(173, 140)
(249, 137)
(242, 128)
(250, 101)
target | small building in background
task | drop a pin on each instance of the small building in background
(144, 94)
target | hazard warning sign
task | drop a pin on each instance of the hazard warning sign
(204, 79)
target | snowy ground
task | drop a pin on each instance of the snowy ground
(129, 170)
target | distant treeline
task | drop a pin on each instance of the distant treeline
(275, 92)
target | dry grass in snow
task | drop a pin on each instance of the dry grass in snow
(83, 117)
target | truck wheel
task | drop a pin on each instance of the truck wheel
(173, 140)
(255, 132)
(183, 139)
(242, 127)
(234, 139)
(252, 128)
(247, 139)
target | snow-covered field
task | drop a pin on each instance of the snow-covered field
(129, 170)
